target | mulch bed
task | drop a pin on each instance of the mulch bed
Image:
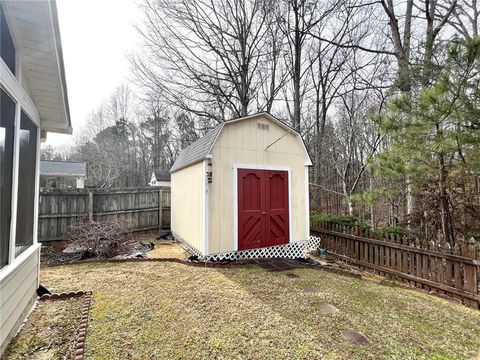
(52, 254)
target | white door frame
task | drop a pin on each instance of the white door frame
(235, 169)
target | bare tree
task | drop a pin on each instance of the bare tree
(204, 56)
(465, 17)
(356, 139)
(329, 74)
(273, 76)
(298, 19)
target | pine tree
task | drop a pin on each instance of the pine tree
(435, 139)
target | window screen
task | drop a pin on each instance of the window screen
(7, 121)
(26, 184)
(7, 49)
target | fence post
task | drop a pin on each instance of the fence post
(90, 205)
(160, 209)
(470, 273)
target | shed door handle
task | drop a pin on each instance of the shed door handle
(264, 213)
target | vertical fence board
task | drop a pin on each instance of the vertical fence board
(429, 265)
(59, 208)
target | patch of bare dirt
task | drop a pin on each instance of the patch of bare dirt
(49, 333)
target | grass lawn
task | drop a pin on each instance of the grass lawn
(171, 311)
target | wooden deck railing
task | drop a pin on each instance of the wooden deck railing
(431, 266)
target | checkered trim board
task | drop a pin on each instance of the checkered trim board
(288, 251)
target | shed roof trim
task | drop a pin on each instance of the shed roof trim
(200, 149)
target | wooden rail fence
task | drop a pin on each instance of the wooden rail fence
(433, 267)
(141, 205)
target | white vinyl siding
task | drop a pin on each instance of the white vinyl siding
(17, 290)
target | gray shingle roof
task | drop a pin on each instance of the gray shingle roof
(71, 168)
(196, 151)
(161, 174)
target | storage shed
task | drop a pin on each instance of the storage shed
(62, 174)
(241, 191)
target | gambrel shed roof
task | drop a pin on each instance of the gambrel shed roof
(199, 150)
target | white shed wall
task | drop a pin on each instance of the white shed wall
(188, 205)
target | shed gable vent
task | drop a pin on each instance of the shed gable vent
(262, 126)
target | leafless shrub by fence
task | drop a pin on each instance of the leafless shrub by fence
(101, 239)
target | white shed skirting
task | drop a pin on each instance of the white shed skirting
(292, 250)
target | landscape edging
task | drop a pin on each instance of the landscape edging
(82, 328)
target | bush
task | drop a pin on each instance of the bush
(389, 230)
(354, 222)
(475, 235)
(100, 238)
(345, 220)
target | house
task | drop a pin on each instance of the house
(62, 174)
(241, 191)
(33, 102)
(160, 177)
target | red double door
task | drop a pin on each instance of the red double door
(262, 208)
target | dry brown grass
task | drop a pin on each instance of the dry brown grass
(163, 248)
(49, 332)
(152, 310)
(167, 249)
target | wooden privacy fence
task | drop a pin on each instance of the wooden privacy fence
(454, 272)
(58, 208)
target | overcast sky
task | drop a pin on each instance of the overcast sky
(96, 36)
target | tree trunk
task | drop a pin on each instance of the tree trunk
(445, 213)
(297, 46)
(348, 197)
(317, 152)
(372, 206)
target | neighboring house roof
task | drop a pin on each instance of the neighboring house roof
(162, 175)
(63, 168)
(199, 150)
(36, 31)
